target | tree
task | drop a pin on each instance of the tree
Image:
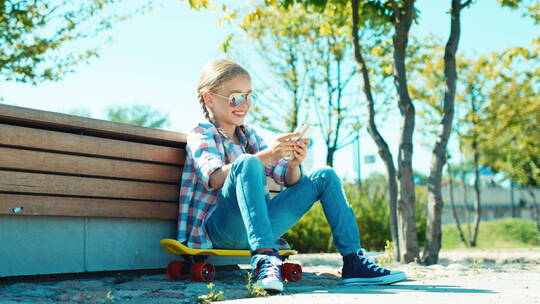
(301, 50)
(402, 196)
(140, 115)
(332, 53)
(400, 15)
(508, 129)
(433, 83)
(498, 93)
(435, 202)
(452, 204)
(80, 111)
(35, 36)
(383, 148)
(280, 38)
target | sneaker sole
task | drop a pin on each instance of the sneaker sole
(384, 280)
(271, 286)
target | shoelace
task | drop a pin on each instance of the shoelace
(269, 267)
(364, 259)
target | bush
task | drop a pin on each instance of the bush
(372, 215)
(519, 230)
(312, 233)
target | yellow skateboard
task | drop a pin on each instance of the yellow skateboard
(194, 265)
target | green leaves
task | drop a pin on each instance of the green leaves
(198, 4)
(140, 115)
(35, 36)
(530, 8)
(508, 124)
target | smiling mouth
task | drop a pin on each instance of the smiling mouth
(239, 113)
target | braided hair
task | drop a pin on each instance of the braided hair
(214, 74)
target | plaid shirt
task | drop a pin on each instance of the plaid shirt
(205, 153)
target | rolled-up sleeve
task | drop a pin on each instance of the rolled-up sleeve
(204, 151)
(277, 170)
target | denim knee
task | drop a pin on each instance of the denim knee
(248, 162)
(324, 176)
(326, 172)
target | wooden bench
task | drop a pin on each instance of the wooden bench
(81, 195)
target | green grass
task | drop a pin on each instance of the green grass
(503, 233)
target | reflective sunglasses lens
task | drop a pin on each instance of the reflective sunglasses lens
(252, 97)
(236, 99)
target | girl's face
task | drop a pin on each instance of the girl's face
(218, 101)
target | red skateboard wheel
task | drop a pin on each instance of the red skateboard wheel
(174, 270)
(291, 272)
(203, 272)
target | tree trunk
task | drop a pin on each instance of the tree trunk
(454, 212)
(512, 200)
(438, 159)
(406, 204)
(330, 156)
(358, 162)
(332, 146)
(466, 204)
(295, 85)
(383, 149)
(477, 201)
(534, 208)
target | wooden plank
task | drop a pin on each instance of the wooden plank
(12, 158)
(88, 145)
(94, 207)
(90, 126)
(24, 182)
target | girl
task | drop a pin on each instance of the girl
(224, 199)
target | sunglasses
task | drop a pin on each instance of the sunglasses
(236, 99)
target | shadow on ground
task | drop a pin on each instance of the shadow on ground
(331, 283)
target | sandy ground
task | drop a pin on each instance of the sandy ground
(491, 276)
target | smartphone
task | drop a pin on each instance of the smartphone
(304, 130)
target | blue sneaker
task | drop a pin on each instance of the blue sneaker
(359, 269)
(267, 269)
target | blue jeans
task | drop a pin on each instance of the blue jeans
(244, 219)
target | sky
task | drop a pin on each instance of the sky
(156, 59)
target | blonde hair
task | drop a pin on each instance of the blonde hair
(213, 75)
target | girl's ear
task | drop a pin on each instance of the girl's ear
(207, 97)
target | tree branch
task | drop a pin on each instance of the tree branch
(464, 5)
(347, 141)
(396, 10)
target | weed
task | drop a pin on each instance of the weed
(109, 298)
(212, 296)
(477, 263)
(253, 289)
(388, 256)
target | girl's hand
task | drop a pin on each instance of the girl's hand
(299, 153)
(281, 147)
